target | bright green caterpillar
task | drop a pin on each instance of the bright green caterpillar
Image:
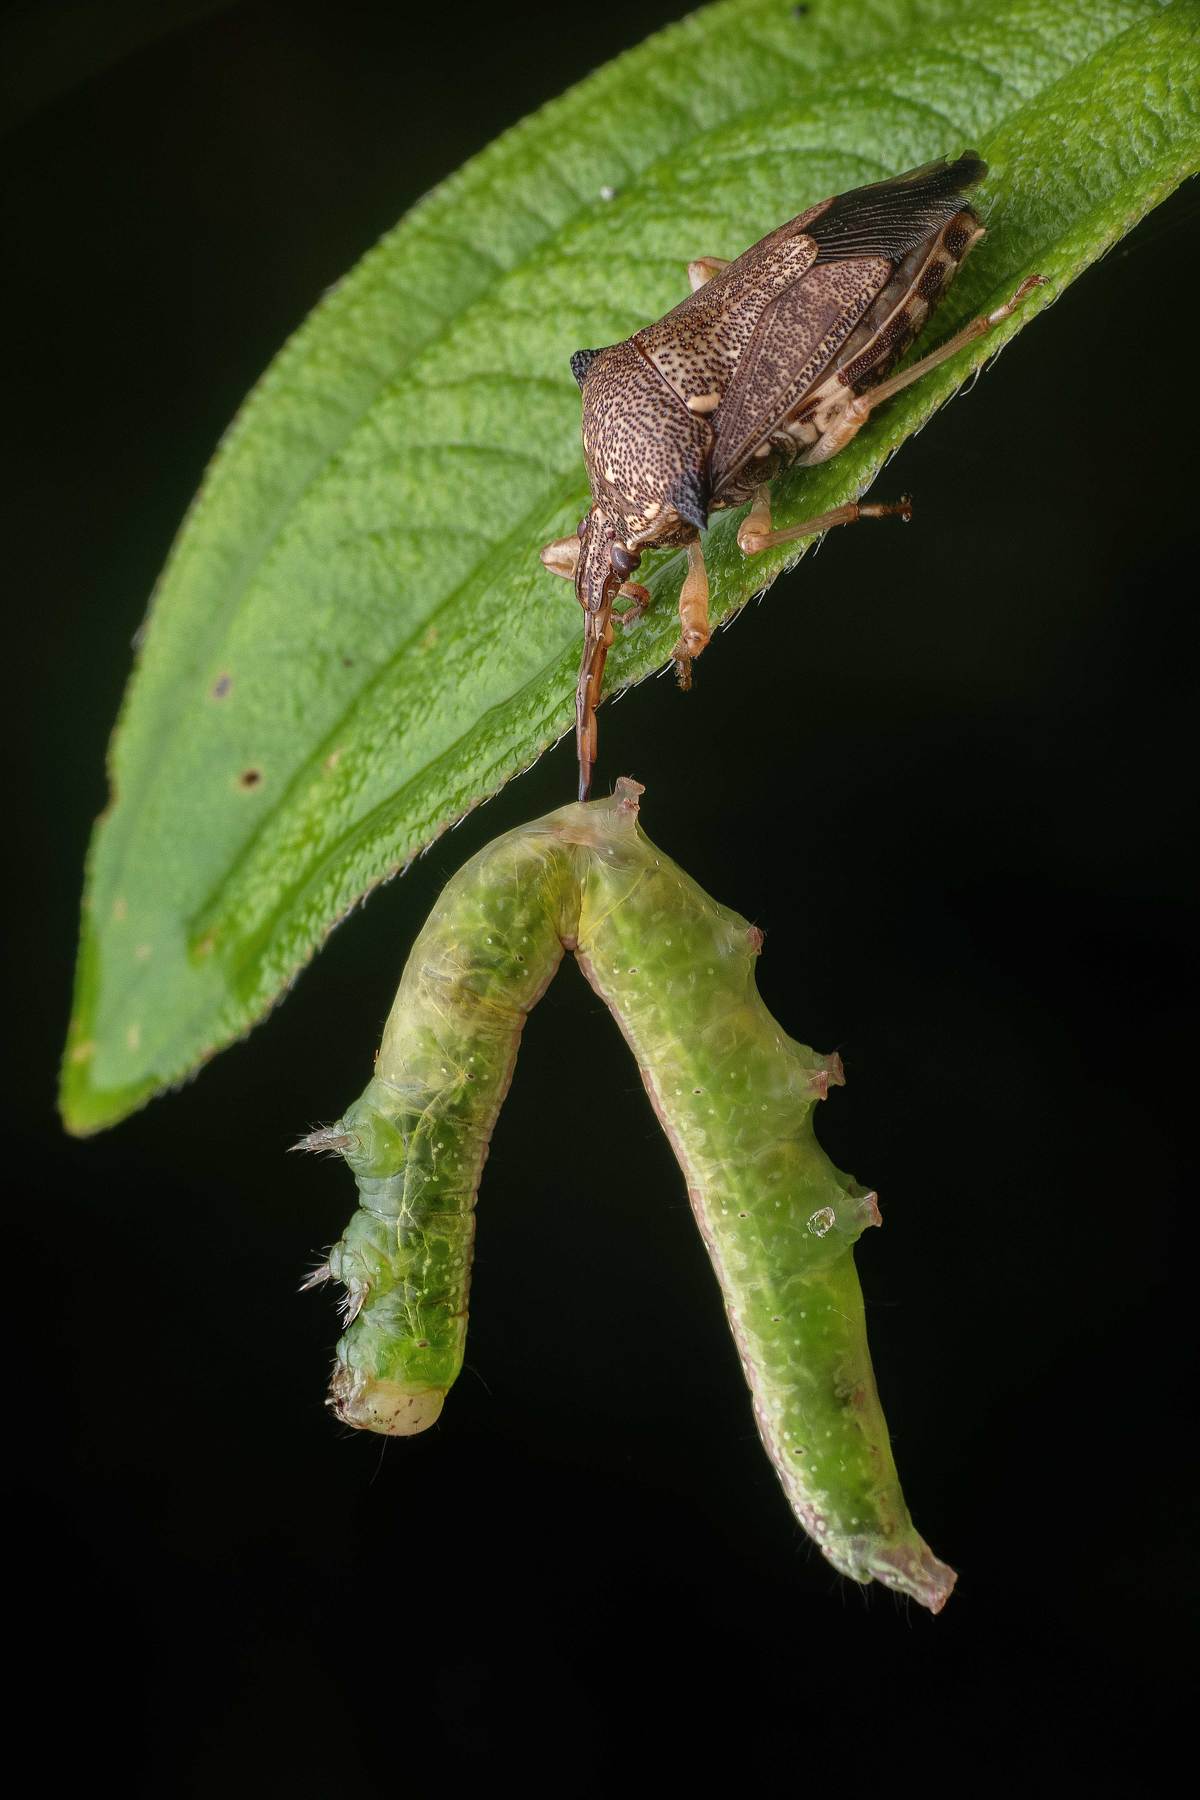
(735, 1096)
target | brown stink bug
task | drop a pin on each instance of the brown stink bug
(776, 358)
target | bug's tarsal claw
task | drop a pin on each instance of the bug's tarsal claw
(1023, 292)
(638, 598)
(901, 509)
(316, 1277)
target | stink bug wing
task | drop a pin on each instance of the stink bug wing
(860, 237)
(889, 218)
(796, 339)
(696, 348)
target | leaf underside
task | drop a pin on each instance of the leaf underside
(354, 641)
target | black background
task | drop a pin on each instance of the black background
(944, 769)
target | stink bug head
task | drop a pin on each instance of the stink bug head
(597, 576)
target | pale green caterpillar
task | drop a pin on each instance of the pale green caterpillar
(735, 1095)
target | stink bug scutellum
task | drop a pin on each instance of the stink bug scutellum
(776, 358)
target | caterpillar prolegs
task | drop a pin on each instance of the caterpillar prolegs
(735, 1096)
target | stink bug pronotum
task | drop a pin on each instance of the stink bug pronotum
(776, 358)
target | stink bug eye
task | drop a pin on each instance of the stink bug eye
(581, 362)
(774, 359)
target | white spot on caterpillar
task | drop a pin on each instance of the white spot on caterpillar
(822, 1221)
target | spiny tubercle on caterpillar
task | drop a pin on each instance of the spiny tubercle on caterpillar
(735, 1096)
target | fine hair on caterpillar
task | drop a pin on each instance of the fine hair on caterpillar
(735, 1096)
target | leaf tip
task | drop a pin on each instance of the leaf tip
(85, 1108)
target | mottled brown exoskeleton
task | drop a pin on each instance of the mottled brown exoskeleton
(776, 358)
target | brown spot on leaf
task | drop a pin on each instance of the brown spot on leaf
(221, 686)
(250, 778)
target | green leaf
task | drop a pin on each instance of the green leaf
(354, 640)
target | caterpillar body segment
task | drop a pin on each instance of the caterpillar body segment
(418, 1137)
(735, 1095)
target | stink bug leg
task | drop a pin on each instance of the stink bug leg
(638, 598)
(755, 533)
(561, 556)
(703, 269)
(856, 414)
(694, 628)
